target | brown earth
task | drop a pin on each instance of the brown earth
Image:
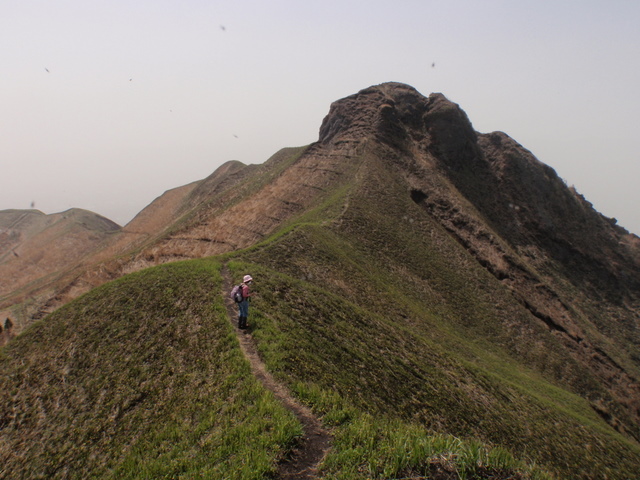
(33, 244)
(66, 270)
(192, 222)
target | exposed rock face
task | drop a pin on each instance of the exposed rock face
(523, 200)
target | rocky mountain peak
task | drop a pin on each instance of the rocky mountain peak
(392, 113)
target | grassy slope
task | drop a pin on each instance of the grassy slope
(141, 378)
(401, 325)
(379, 321)
(421, 373)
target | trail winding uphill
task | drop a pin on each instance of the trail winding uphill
(305, 458)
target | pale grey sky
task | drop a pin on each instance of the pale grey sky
(104, 105)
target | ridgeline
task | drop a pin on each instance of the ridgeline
(438, 298)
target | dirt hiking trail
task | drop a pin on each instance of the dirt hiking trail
(303, 461)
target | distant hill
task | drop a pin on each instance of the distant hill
(34, 246)
(32, 243)
(416, 280)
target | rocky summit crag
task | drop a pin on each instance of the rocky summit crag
(408, 265)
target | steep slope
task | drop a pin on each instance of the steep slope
(55, 283)
(551, 285)
(417, 276)
(574, 270)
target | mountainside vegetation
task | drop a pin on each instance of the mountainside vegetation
(370, 311)
(439, 298)
(142, 378)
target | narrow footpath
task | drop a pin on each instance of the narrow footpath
(303, 461)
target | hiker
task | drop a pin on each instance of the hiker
(243, 306)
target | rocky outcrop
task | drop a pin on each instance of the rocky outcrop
(573, 269)
(522, 200)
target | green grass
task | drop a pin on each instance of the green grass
(380, 447)
(442, 364)
(141, 378)
(375, 449)
(418, 360)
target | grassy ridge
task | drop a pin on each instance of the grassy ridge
(141, 378)
(440, 363)
(417, 358)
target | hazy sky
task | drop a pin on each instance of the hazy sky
(106, 104)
